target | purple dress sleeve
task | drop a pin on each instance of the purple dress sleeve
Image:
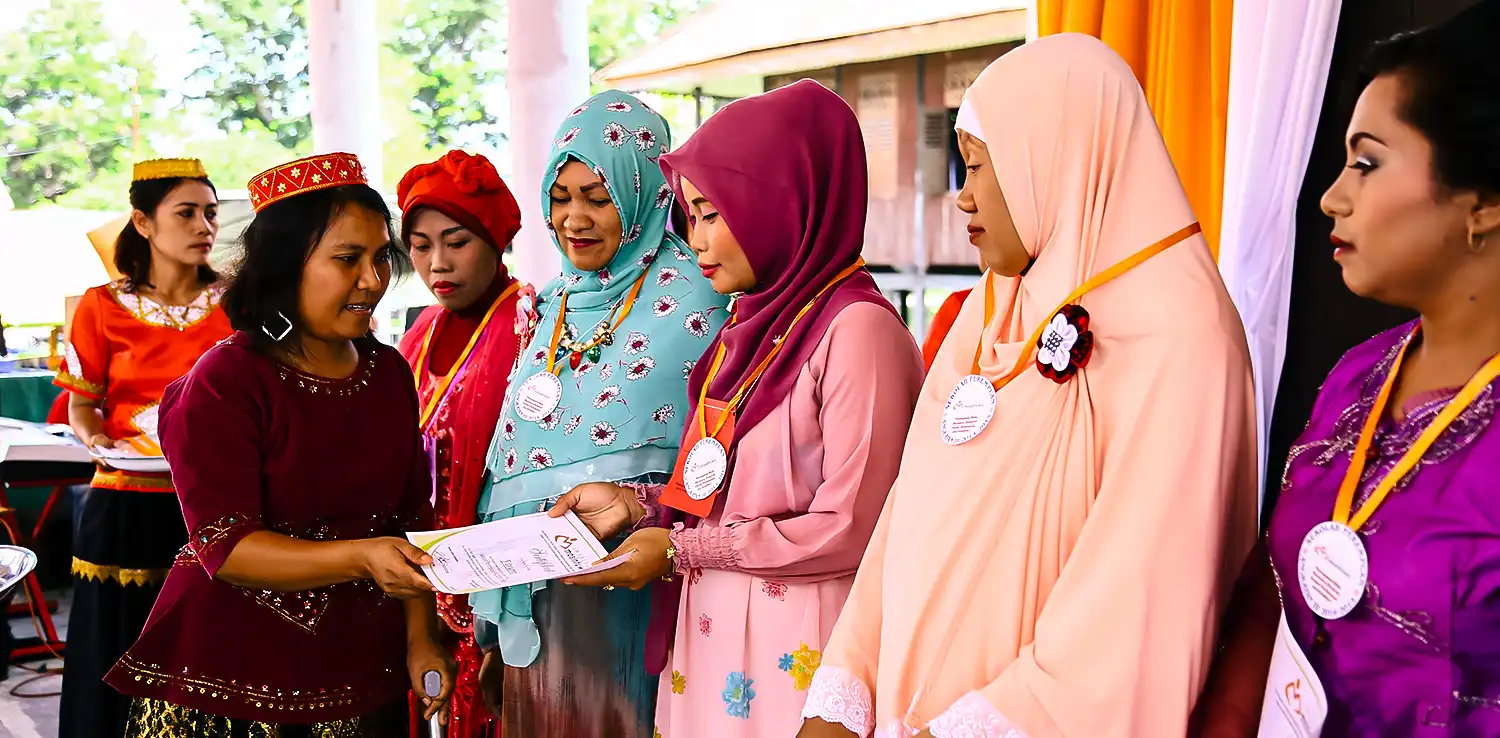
(810, 480)
(218, 474)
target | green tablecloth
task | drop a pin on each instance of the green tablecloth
(27, 395)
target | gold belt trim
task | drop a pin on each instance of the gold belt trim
(265, 698)
(101, 573)
(126, 482)
(75, 383)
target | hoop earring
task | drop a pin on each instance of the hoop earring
(1477, 245)
(277, 335)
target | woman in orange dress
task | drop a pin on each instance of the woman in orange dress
(129, 340)
(942, 322)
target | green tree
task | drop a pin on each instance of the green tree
(456, 48)
(66, 101)
(253, 68)
(619, 27)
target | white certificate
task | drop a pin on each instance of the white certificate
(504, 553)
(1295, 705)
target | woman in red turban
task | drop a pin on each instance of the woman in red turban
(458, 218)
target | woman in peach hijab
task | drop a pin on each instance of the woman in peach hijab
(1078, 487)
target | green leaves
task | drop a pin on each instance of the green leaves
(457, 49)
(619, 27)
(66, 101)
(68, 106)
(253, 66)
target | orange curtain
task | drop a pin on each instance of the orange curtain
(1179, 50)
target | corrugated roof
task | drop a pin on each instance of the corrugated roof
(735, 27)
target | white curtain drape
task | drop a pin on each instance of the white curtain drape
(1279, 60)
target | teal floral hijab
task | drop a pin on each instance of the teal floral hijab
(623, 401)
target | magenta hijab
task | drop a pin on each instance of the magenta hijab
(787, 172)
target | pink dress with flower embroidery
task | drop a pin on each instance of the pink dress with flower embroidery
(768, 572)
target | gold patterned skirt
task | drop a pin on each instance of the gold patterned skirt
(158, 719)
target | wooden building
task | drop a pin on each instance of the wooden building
(903, 68)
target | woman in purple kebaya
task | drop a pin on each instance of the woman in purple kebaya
(1385, 544)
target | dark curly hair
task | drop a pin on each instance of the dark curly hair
(132, 250)
(1451, 79)
(267, 279)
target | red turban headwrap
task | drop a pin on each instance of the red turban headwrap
(466, 188)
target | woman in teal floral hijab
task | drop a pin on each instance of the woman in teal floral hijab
(598, 395)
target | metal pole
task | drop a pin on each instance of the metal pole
(919, 217)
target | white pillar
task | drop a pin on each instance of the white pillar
(547, 76)
(344, 75)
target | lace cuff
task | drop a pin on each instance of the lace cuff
(647, 495)
(212, 542)
(972, 716)
(704, 547)
(837, 696)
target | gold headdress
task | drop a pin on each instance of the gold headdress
(168, 168)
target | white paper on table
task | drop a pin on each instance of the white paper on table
(1295, 704)
(504, 553)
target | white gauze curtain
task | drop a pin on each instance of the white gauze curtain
(1278, 70)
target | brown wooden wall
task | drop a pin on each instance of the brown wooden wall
(886, 98)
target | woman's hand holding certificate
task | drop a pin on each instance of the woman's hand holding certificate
(606, 508)
(510, 551)
(392, 564)
(643, 558)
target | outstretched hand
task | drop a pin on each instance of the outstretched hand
(606, 508)
(648, 562)
(393, 564)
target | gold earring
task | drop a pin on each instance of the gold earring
(1477, 245)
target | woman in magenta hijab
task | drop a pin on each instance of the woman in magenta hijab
(799, 412)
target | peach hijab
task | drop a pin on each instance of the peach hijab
(1062, 574)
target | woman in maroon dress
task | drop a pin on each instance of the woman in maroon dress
(458, 217)
(296, 608)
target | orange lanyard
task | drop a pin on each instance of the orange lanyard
(562, 314)
(1413, 455)
(776, 344)
(422, 357)
(1122, 267)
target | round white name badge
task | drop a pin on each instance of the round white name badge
(538, 396)
(706, 466)
(971, 406)
(1332, 569)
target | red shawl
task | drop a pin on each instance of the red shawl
(473, 405)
